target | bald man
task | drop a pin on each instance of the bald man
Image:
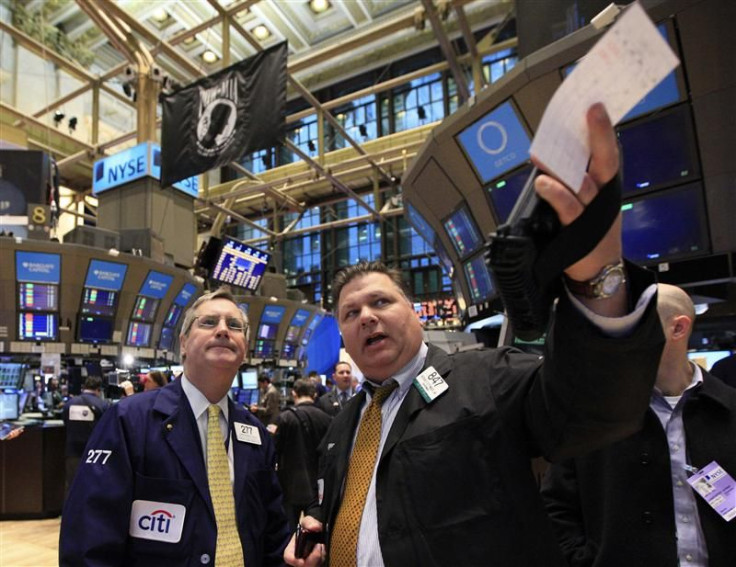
(630, 503)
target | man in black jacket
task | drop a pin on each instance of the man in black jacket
(334, 400)
(81, 414)
(299, 430)
(451, 482)
(630, 503)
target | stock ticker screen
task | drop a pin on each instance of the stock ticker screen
(240, 265)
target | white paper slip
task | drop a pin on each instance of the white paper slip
(626, 63)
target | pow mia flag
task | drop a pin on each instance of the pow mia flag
(220, 118)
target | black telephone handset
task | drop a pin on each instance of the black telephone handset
(511, 256)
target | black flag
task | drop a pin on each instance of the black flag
(222, 117)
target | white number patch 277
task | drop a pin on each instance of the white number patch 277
(93, 456)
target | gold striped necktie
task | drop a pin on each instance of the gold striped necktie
(229, 551)
(344, 541)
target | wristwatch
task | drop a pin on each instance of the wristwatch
(605, 284)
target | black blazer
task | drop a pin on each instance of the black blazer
(330, 402)
(615, 507)
(454, 481)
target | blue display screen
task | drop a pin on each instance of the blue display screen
(166, 341)
(145, 308)
(667, 225)
(38, 297)
(505, 192)
(185, 295)
(310, 329)
(299, 318)
(263, 349)
(156, 285)
(99, 301)
(240, 265)
(292, 333)
(462, 231)
(479, 279)
(659, 151)
(94, 329)
(139, 334)
(37, 327)
(496, 143)
(419, 223)
(37, 267)
(288, 352)
(273, 314)
(172, 317)
(266, 331)
(443, 257)
(105, 275)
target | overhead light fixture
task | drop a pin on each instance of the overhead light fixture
(58, 117)
(261, 32)
(209, 56)
(160, 15)
(72, 124)
(190, 40)
(319, 6)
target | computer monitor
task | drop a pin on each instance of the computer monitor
(9, 404)
(37, 267)
(417, 221)
(156, 285)
(38, 297)
(139, 334)
(38, 326)
(11, 374)
(505, 192)
(707, 358)
(97, 301)
(495, 143)
(96, 330)
(166, 340)
(172, 316)
(289, 351)
(264, 348)
(463, 232)
(667, 225)
(145, 308)
(238, 264)
(479, 279)
(102, 274)
(249, 379)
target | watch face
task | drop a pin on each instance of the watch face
(611, 282)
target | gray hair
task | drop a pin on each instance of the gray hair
(220, 293)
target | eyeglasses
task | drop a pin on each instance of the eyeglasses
(212, 321)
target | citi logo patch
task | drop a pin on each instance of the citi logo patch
(157, 521)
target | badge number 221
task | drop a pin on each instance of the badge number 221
(93, 456)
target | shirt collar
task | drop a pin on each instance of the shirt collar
(405, 376)
(696, 382)
(197, 400)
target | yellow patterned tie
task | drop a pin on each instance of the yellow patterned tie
(229, 551)
(344, 542)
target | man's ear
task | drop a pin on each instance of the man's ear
(681, 326)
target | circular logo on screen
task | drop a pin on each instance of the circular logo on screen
(497, 137)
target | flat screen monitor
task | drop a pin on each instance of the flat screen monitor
(94, 330)
(659, 151)
(416, 220)
(166, 341)
(496, 143)
(139, 334)
(667, 225)
(505, 192)
(310, 328)
(479, 279)
(37, 267)
(437, 309)
(289, 351)
(11, 374)
(172, 317)
(247, 397)
(267, 331)
(263, 348)
(443, 257)
(236, 382)
(156, 285)
(300, 317)
(239, 264)
(9, 404)
(38, 326)
(38, 297)
(145, 308)
(185, 295)
(273, 314)
(249, 379)
(292, 333)
(707, 358)
(99, 302)
(462, 232)
(105, 275)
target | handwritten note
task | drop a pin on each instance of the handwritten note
(625, 64)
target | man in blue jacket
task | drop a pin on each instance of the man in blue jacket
(141, 495)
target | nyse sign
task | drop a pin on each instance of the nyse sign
(143, 160)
